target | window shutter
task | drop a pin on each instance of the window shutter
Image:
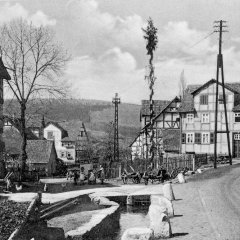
(183, 137)
(198, 138)
(211, 138)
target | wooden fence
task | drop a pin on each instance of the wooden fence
(190, 161)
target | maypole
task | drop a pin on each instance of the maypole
(151, 44)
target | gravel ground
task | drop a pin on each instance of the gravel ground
(12, 215)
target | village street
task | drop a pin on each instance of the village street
(206, 207)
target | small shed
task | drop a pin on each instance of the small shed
(42, 156)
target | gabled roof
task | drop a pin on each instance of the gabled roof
(3, 71)
(187, 104)
(135, 139)
(39, 151)
(64, 132)
(158, 105)
(176, 99)
(233, 87)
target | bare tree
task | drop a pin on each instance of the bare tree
(35, 62)
(182, 84)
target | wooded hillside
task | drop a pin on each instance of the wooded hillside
(71, 112)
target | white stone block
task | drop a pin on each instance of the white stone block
(160, 225)
(163, 202)
(129, 200)
(168, 191)
(138, 233)
(181, 178)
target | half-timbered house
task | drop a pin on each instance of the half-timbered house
(197, 113)
(166, 125)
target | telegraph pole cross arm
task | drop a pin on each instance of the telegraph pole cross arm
(116, 101)
(220, 27)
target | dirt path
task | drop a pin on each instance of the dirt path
(209, 206)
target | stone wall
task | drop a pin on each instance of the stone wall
(101, 224)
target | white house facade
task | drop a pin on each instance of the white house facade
(198, 119)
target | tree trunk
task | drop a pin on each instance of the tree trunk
(24, 140)
(2, 165)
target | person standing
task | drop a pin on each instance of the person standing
(101, 174)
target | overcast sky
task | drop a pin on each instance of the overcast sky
(105, 40)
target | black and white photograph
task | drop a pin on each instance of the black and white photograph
(119, 119)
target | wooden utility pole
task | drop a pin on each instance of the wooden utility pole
(116, 101)
(220, 28)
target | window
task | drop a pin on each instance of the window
(198, 138)
(211, 138)
(50, 135)
(205, 118)
(236, 136)
(190, 118)
(237, 117)
(205, 138)
(204, 99)
(62, 154)
(183, 138)
(220, 98)
(190, 138)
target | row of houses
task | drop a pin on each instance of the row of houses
(186, 125)
(46, 145)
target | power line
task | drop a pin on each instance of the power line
(202, 39)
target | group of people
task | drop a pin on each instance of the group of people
(90, 177)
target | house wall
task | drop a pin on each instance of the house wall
(67, 152)
(56, 133)
(199, 127)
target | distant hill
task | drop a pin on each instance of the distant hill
(71, 112)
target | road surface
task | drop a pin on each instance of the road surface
(209, 206)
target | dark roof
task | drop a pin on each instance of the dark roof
(187, 104)
(171, 140)
(236, 108)
(3, 71)
(176, 99)
(64, 132)
(68, 139)
(233, 87)
(39, 151)
(74, 128)
(158, 105)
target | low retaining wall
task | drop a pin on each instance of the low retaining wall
(100, 224)
(31, 216)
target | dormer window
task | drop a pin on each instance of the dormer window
(190, 117)
(204, 99)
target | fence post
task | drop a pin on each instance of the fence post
(193, 162)
(167, 162)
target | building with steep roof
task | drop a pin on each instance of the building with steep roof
(166, 124)
(197, 113)
(42, 156)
